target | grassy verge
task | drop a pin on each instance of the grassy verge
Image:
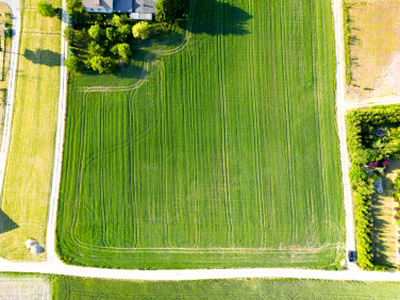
(84, 288)
(225, 155)
(4, 18)
(26, 189)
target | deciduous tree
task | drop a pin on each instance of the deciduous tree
(102, 64)
(123, 50)
(142, 30)
(73, 64)
(96, 33)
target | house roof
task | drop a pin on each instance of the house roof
(98, 4)
(140, 7)
(144, 6)
(123, 5)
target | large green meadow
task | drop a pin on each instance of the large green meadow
(224, 154)
(86, 288)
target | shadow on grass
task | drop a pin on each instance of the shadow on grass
(43, 57)
(6, 224)
(381, 223)
(216, 18)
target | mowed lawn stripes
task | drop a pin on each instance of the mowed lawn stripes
(27, 180)
(227, 155)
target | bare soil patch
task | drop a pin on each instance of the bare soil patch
(374, 48)
(24, 287)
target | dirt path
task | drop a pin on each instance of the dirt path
(359, 103)
(341, 108)
(55, 184)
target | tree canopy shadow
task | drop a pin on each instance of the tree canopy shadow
(216, 18)
(6, 224)
(43, 57)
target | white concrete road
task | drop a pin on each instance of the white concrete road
(55, 186)
(54, 266)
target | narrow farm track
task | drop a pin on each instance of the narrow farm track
(337, 9)
(55, 184)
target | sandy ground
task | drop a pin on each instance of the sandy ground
(21, 287)
(374, 48)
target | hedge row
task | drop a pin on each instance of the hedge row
(360, 127)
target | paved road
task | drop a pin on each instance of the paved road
(9, 107)
(55, 186)
(173, 275)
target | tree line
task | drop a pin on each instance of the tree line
(105, 42)
(369, 156)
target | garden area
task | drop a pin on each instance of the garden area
(374, 145)
(105, 43)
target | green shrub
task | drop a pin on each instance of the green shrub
(74, 64)
(46, 9)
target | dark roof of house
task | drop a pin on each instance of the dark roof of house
(98, 4)
(123, 5)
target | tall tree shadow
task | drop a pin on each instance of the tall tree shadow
(216, 18)
(6, 224)
(43, 57)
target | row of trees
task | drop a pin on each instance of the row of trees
(365, 156)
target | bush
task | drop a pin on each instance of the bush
(142, 30)
(123, 51)
(69, 34)
(96, 33)
(74, 64)
(46, 9)
(75, 10)
(102, 64)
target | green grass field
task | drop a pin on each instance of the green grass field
(84, 288)
(226, 155)
(26, 189)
